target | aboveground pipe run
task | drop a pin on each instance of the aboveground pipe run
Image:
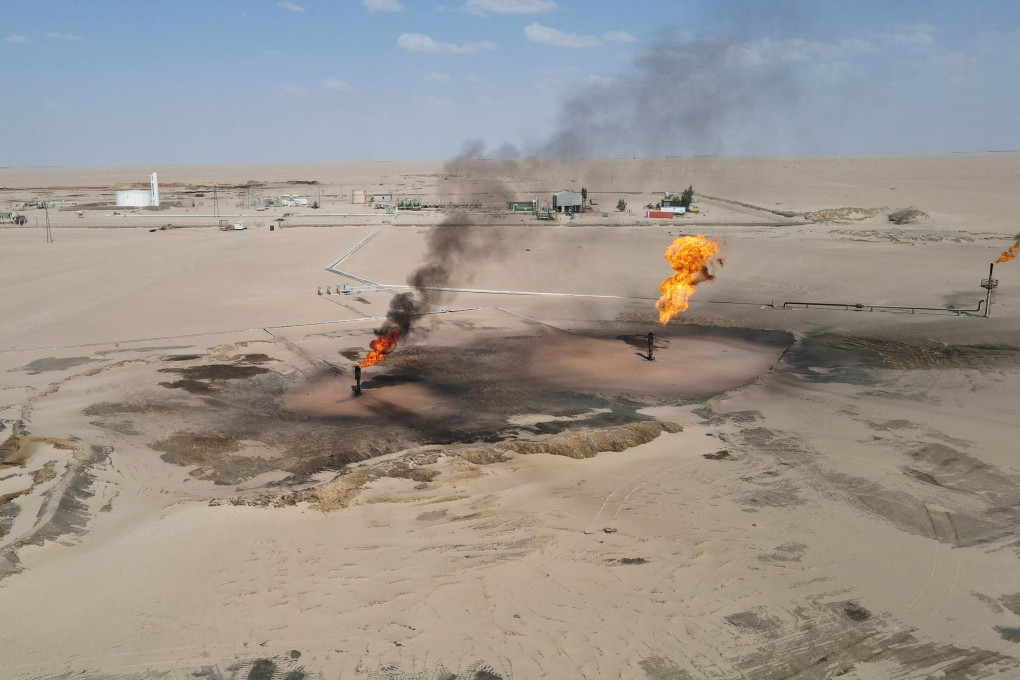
(858, 306)
(988, 284)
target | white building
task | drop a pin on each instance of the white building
(140, 198)
(292, 201)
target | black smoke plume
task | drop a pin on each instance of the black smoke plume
(687, 95)
(458, 244)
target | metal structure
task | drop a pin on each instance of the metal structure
(862, 307)
(989, 285)
(49, 232)
(252, 197)
(567, 201)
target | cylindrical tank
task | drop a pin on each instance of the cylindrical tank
(134, 198)
(358, 196)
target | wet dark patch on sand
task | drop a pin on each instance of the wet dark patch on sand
(841, 358)
(252, 358)
(756, 620)
(662, 668)
(282, 666)
(711, 417)
(1011, 602)
(121, 350)
(194, 376)
(262, 669)
(829, 640)
(1012, 634)
(125, 427)
(432, 515)
(66, 505)
(786, 552)
(890, 425)
(988, 509)
(212, 457)
(632, 560)
(783, 494)
(855, 612)
(216, 371)
(111, 408)
(196, 448)
(569, 422)
(189, 385)
(495, 380)
(963, 472)
(921, 476)
(53, 364)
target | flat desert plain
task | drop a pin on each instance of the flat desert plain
(816, 476)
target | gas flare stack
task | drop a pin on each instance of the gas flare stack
(989, 285)
(356, 387)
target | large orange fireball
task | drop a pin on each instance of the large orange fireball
(1009, 254)
(384, 343)
(691, 258)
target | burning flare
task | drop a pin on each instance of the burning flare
(1009, 254)
(385, 342)
(690, 257)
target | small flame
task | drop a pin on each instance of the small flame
(1009, 254)
(385, 342)
(691, 258)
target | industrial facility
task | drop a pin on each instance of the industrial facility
(140, 198)
(523, 206)
(567, 201)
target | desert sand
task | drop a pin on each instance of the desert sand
(816, 476)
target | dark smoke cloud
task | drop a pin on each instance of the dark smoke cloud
(688, 95)
(691, 95)
(403, 308)
(457, 245)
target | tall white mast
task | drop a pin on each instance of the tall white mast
(154, 190)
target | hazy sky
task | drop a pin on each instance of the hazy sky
(199, 81)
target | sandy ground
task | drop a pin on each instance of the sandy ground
(189, 487)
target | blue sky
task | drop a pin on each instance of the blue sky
(113, 82)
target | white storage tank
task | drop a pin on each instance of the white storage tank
(134, 198)
(140, 198)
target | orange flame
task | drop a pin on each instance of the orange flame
(1009, 254)
(385, 343)
(690, 257)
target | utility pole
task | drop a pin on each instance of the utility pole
(49, 232)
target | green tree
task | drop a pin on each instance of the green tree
(687, 197)
(621, 205)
